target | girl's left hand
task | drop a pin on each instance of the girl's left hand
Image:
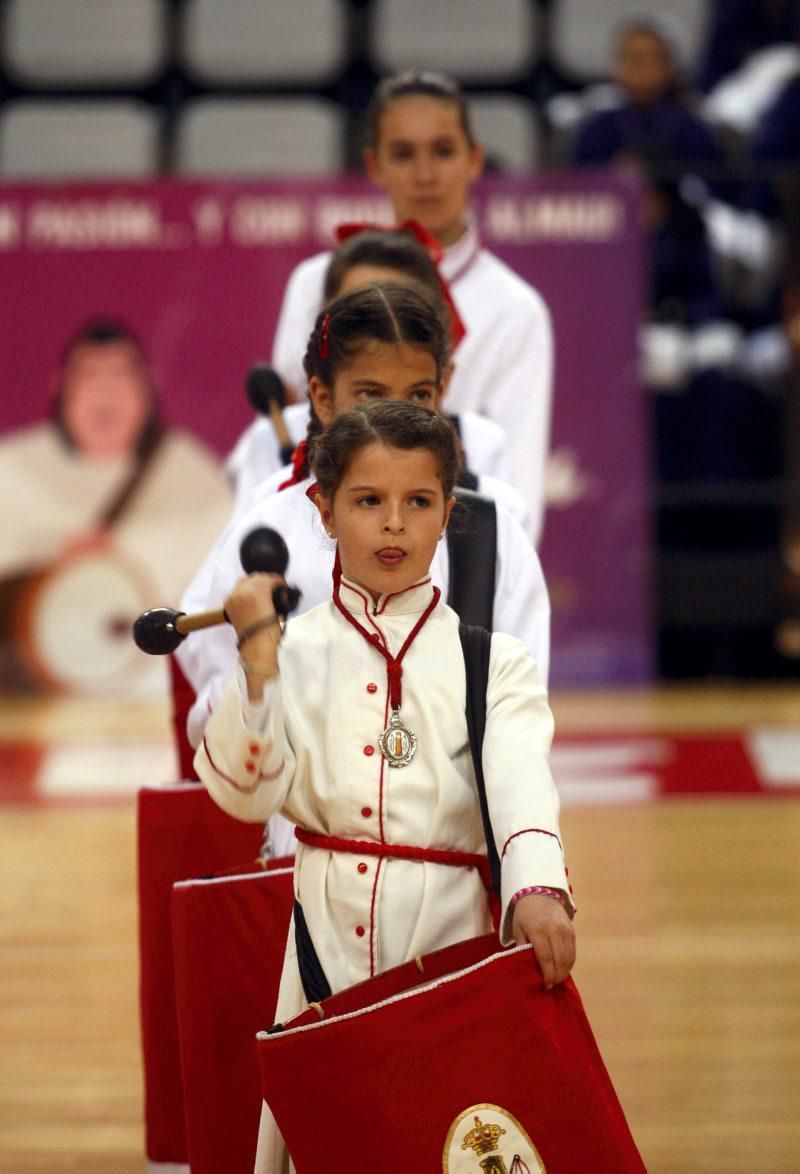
(544, 922)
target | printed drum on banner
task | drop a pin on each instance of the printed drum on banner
(198, 269)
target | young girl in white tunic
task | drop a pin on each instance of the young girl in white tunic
(367, 255)
(353, 725)
(384, 342)
(422, 151)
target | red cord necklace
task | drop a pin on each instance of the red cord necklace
(397, 743)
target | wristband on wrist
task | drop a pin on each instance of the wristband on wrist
(544, 890)
(259, 626)
(258, 670)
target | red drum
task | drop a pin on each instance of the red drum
(460, 1062)
(181, 834)
(228, 939)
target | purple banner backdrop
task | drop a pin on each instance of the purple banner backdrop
(198, 269)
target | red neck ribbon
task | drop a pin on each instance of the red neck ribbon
(394, 665)
(434, 251)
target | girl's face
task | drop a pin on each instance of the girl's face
(378, 370)
(424, 161)
(387, 516)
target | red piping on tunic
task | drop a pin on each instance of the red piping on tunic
(524, 832)
(262, 778)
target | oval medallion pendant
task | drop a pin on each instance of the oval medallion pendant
(398, 745)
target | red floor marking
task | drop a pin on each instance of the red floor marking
(20, 763)
(710, 766)
(682, 764)
(643, 766)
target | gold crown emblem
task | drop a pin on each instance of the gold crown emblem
(482, 1138)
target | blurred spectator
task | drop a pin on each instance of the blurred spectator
(736, 29)
(710, 424)
(653, 121)
(112, 513)
(689, 346)
(776, 145)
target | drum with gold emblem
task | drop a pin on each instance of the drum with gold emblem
(460, 1061)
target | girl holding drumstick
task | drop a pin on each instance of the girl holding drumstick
(353, 725)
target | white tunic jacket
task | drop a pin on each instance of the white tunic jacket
(503, 365)
(311, 752)
(521, 604)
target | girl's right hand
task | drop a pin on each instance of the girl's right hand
(250, 609)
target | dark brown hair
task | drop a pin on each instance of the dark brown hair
(394, 249)
(408, 83)
(384, 312)
(394, 423)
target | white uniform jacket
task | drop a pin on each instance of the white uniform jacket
(503, 365)
(521, 604)
(256, 457)
(310, 751)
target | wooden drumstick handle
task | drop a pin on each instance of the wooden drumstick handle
(200, 619)
(267, 393)
(279, 424)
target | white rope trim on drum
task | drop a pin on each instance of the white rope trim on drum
(239, 876)
(170, 788)
(423, 988)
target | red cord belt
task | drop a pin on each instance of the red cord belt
(405, 852)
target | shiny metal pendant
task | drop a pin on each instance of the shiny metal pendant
(398, 745)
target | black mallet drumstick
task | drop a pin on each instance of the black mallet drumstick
(160, 630)
(267, 394)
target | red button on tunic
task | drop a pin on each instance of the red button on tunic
(369, 751)
(372, 687)
(250, 767)
(362, 867)
(253, 748)
(366, 812)
(360, 931)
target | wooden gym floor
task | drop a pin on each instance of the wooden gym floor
(689, 912)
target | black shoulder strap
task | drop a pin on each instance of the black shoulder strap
(476, 644)
(466, 478)
(455, 420)
(472, 547)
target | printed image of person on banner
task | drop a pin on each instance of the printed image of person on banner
(113, 511)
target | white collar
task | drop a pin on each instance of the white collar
(411, 601)
(458, 257)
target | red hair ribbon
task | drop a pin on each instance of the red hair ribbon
(434, 250)
(429, 242)
(299, 466)
(324, 338)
